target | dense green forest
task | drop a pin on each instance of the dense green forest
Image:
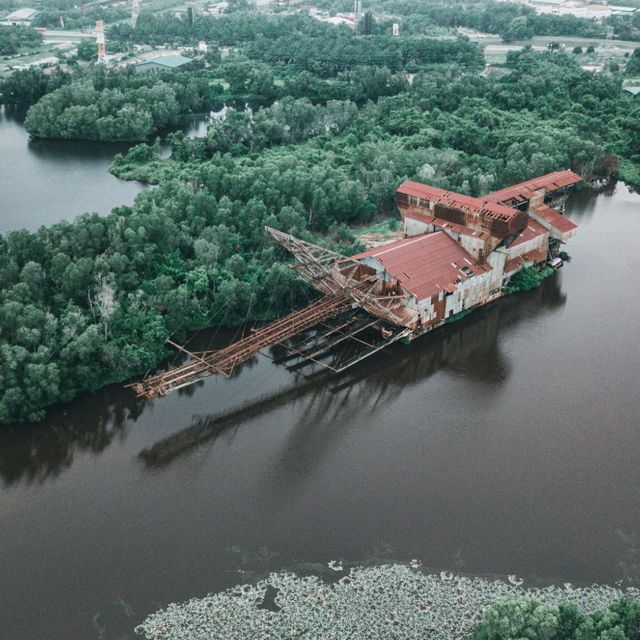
(12, 38)
(528, 618)
(91, 302)
(116, 105)
(75, 16)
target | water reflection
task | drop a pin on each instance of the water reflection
(51, 180)
(37, 453)
(471, 348)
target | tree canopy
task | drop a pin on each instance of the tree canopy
(322, 146)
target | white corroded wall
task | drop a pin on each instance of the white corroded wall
(414, 227)
(496, 261)
(539, 243)
(474, 245)
(469, 293)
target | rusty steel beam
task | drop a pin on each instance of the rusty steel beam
(331, 272)
(223, 361)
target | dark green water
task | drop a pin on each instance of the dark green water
(42, 182)
(506, 443)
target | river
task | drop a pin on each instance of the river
(505, 443)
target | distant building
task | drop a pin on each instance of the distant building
(579, 8)
(217, 9)
(19, 17)
(163, 63)
(623, 11)
(634, 91)
(263, 6)
(347, 19)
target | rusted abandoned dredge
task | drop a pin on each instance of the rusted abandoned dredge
(456, 255)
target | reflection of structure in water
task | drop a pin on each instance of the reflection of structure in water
(470, 347)
(457, 254)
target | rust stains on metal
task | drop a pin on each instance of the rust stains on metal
(525, 191)
(554, 218)
(532, 230)
(480, 214)
(457, 254)
(426, 265)
(225, 360)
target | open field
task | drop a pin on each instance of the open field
(32, 55)
(495, 50)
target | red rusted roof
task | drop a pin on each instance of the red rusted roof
(526, 190)
(513, 264)
(427, 264)
(554, 218)
(457, 200)
(535, 256)
(531, 231)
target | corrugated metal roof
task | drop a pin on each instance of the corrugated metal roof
(21, 14)
(513, 264)
(554, 218)
(427, 264)
(531, 231)
(526, 190)
(166, 61)
(482, 205)
(535, 256)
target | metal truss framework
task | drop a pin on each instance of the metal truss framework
(224, 361)
(344, 286)
(332, 273)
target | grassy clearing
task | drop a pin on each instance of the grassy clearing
(495, 50)
(387, 226)
(379, 232)
(32, 54)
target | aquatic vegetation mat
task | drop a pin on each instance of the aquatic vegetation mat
(389, 601)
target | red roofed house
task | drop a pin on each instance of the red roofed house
(458, 251)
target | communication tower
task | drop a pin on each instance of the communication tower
(100, 41)
(135, 12)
